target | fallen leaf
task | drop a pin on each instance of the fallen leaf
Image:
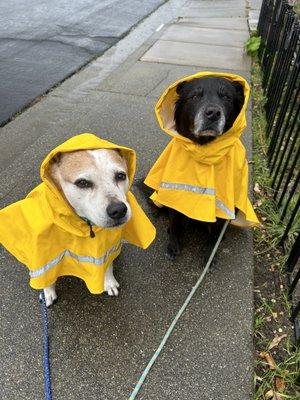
(257, 188)
(277, 397)
(275, 315)
(258, 203)
(269, 394)
(275, 342)
(279, 384)
(269, 359)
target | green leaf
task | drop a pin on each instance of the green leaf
(252, 45)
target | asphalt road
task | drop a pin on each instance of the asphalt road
(42, 42)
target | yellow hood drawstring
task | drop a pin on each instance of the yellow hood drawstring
(43, 232)
(218, 183)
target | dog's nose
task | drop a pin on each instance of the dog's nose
(116, 210)
(212, 113)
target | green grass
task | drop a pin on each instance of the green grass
(287, 371)
(297, 9)
(266, 238)
(268, 209)
(259, 321)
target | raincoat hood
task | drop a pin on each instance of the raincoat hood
(214, 151)
(62, 213)
(202, 181)
(43, 232)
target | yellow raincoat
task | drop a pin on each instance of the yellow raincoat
(202, 182)
(44, 233)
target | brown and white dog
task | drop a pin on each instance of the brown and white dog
(95, 183)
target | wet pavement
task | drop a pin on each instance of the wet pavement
(42, 43)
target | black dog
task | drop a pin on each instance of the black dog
(206, 108)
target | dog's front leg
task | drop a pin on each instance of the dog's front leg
(175, 227)
(111, 285)
(50, 295)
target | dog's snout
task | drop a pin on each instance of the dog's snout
(116, 210)
(212, 113)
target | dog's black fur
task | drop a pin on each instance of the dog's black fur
(211, 99)
(206, 108)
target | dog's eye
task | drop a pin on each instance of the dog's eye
(225, 96)
(197, 95)
(83, 184)
(120, 176)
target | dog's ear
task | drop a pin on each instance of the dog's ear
(57, 158)
(180, 87)
(239, 98)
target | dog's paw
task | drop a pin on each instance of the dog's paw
(50, 295)
(111, 285)
(173, 249)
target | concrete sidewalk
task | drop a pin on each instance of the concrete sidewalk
(100, 345)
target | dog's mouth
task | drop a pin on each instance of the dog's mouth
(205, 136)
(207, 133)
(116, 223)
(111, 223)
(207, 128)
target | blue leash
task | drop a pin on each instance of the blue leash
(47, 373)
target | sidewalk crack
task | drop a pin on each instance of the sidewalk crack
(156, 86)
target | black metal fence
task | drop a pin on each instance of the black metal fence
(279, 56)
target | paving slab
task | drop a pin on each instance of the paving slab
(254, 14)
(253, 24)
(253, 19)
(239, 24)
(216, 4)
(213, 12)
(215, 37)
(153, 75)
(156, 77)
(201, 55)
(255, 4)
